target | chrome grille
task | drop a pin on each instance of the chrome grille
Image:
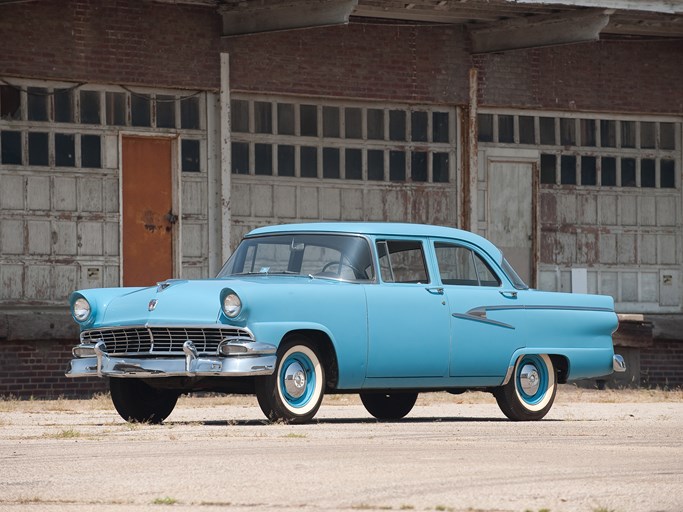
(162, 340)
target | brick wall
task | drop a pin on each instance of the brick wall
(115, 42)
(662, 364)
(36, 368)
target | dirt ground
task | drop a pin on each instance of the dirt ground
(597, 451)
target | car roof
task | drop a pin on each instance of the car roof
(382, 229)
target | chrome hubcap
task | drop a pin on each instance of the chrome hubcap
(529, 379)
(295, 380)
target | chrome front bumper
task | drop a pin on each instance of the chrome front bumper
(237, 360)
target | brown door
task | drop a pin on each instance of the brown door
(148, 216)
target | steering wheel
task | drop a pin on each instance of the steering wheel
(357, 273)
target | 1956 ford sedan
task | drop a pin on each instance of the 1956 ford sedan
(383, 310)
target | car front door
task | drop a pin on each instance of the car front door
(408, 320)
(485, 315)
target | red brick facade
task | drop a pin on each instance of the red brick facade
(662, 364)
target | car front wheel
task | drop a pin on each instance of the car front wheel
(138, 402)
(530, 393)
(294, 392)
(388, 406)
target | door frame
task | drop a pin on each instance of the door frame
(523, 156)
(176, 197)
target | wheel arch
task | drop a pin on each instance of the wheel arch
(328, 354)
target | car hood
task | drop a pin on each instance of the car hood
(195, 302)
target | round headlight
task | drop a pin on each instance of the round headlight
(81, 309)
(232, 305)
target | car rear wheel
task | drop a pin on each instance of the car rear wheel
(138, 402)
(530, 393)
(388, 406)
(294, 392)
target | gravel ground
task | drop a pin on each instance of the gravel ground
(597, 451)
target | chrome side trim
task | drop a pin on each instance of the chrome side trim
(549, 308)
(479, 315)
(508, 375)
(618, 363)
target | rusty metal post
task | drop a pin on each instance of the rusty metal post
(471, 173)
(226, 155)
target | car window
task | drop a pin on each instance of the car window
(345, 257)
(462, 266)
(402, 261)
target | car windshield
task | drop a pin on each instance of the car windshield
(517, 281)
(345, 257)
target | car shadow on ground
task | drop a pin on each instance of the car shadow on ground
(347, 421)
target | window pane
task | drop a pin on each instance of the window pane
(65, 153)
(37, 103)
(11, 148)
(331, 163)
(165, 111)
(309, 120)
(628, 172)
(608, 171)
(239, 116)
(608, 134)
(527, 131)
(667, 136)
(546, 125)
(418, 169)
(567, 132)
(628, 134)
(38, 149)
(116, 108)
(353, 120)
(397, 125)
(375, 164)
(548, 163)
(190, 155)
(285, 119)
(397, 166)
(140, 110)
(647, 173)
(402, 262)
(63, 101)
(285, 160)
(240, 158)
(91, 151)
(440, 168)
(589, 171)
(375, 123)
(263, 159)
(440, 127)
(309, 161)
(456, 265)
(568, 170)
(648, 135)
(189, 113)
(10, 103)
(588, 132)
(506, 128)
(330, 121)
(90, 107)
(353, 168)
(485, 122)
(263, 117)
(419, 122)
(667, 177)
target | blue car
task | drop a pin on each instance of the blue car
(380, 309)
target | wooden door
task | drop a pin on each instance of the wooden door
(511, 213)
(147, 210)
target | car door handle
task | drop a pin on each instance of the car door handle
(435, 291)
(509, 295)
